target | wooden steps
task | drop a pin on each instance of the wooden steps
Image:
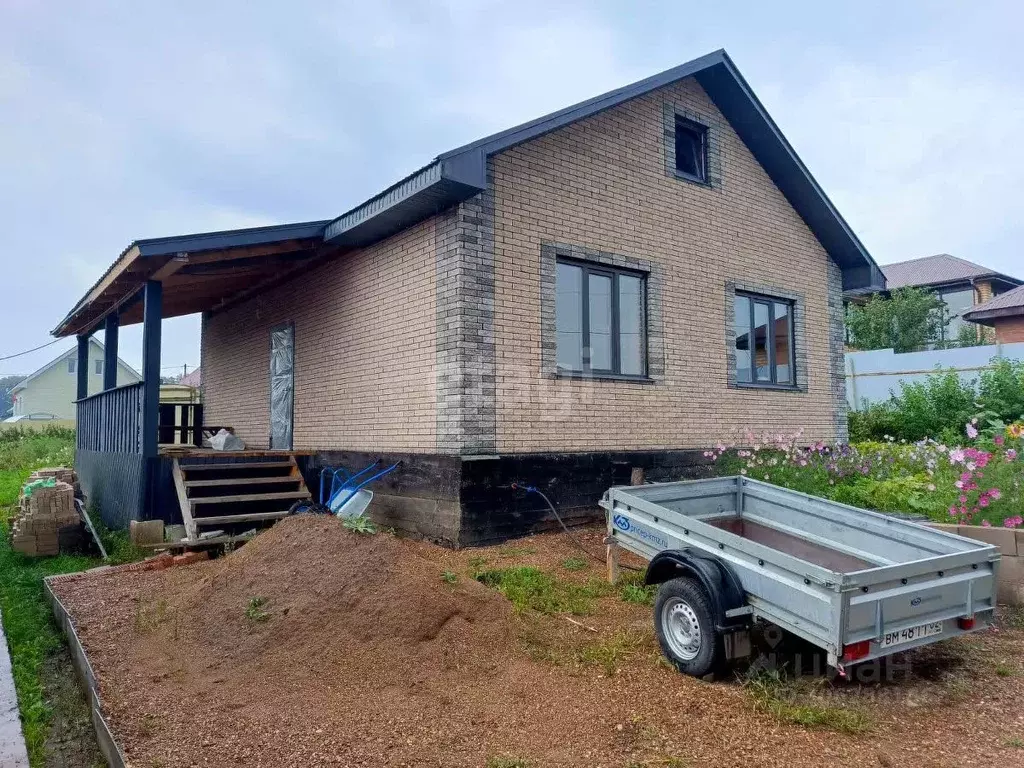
(229, 519)
(241, 481)
(239, 495)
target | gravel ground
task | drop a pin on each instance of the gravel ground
(357, 651)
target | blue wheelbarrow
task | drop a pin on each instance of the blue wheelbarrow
(345, 494)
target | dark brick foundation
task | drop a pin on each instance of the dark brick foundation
(469, 501)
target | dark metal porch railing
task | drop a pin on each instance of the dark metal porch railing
(111, 421)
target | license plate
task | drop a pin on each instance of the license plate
(912, 633)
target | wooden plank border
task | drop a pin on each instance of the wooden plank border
(112, 753)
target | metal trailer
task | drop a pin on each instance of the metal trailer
(727, 551)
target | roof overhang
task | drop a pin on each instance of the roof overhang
(991, 316)
(199, 272)
(461, 173)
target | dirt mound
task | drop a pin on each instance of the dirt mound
(310, 588)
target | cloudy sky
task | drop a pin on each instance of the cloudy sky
(125, 120)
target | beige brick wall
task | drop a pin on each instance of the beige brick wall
(601, 184)
(364, 352)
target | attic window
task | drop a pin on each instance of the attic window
(691, 150)
(71, 365)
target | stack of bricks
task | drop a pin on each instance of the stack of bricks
(44, 512)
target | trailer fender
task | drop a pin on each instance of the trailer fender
(716, 576)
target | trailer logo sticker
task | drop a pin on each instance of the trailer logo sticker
(623, 523)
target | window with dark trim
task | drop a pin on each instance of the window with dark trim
(600, 318)
(691, 149)
(71, 364)
(764, 341)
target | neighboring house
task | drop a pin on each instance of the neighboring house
(194, 379)
(1004, 313)
(598, 294)
(960, 283)
(51, 391)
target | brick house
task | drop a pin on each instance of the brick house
(1004, 313)
(603, 291)
(961, 284)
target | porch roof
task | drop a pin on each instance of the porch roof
(199, 272)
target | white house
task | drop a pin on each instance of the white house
(50, 391)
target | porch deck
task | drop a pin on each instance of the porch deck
(176, 451)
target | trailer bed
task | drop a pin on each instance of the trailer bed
(833, 574)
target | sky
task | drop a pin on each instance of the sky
(127, 120)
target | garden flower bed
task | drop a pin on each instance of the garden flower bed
(979, 481)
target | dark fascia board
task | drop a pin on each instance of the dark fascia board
(232, 238)
(462, 172)
(205, 241)
(988, 316)
(429, 190)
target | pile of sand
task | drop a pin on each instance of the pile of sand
(327, 596)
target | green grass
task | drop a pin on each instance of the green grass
(632, 589)
(254, 610)
(32, 635)
(1014, 741)
(531, 589)
(575, 563)
(789, 701)
(449, 577)
(360, 524)
(611, 652)
(506, 761)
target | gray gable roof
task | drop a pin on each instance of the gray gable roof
(936, 270)
(461, 173)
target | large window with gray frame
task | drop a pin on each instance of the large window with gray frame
(764, 341)
(600, 316)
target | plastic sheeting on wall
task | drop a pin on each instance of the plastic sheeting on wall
(282, 385)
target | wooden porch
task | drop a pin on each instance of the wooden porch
(129, 445)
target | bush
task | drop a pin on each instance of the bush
(1001, 390)
(981, 483)
(940, 405)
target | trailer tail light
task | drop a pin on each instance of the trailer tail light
(856, 651)
(965, 622)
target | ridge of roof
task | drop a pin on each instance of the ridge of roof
(936, 269)
(63, 356)
(460, 173)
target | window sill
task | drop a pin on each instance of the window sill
(602, 377)
(767, 385)
(691, 179)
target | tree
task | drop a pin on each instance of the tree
(7, 383)
(910, 318)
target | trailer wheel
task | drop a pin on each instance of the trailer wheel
(685, 625)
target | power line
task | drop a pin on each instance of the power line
(27, 351)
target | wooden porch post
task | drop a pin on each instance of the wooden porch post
(110, 351)
(82, 367)
(151, 312)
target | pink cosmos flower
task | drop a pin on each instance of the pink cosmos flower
(972, 431)
(986, 524)
(1011, 454)
(956, 456)
(999, 439)
(995, 493)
